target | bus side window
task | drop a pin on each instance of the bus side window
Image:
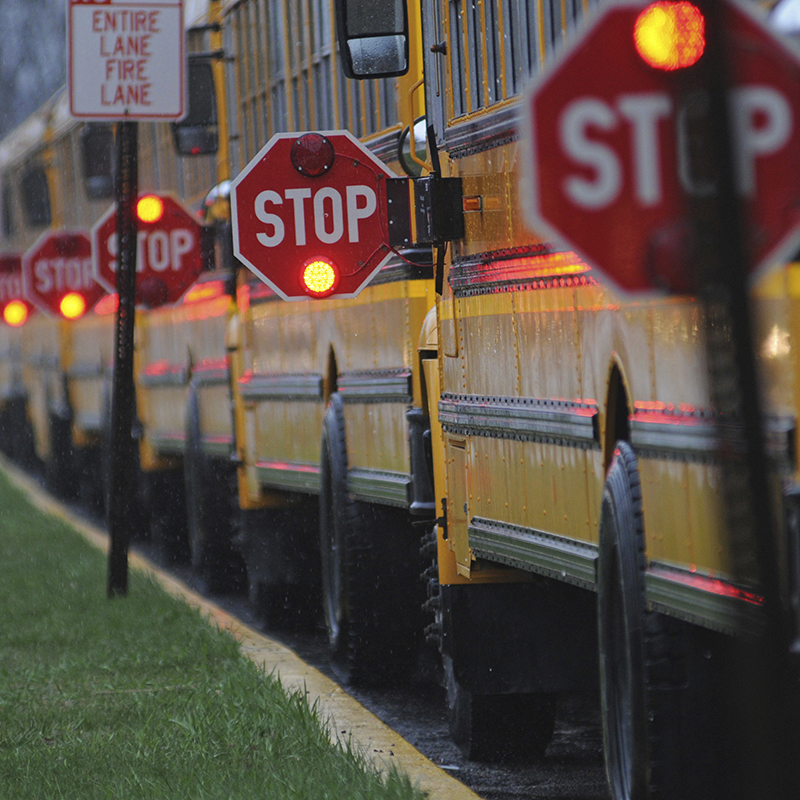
(196, 133)
(97, 153)
(36, 197)
(9, 228)
(373, 37)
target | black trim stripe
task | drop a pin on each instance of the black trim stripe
(376, 486)
(85, 371)
(522, 418)
(714, 603)
(211, 372)
(164, 375)
(376, 386)
(704, 600)
(484, 132)
(677, 434)
(521, 269)
(254, 387)
(567, 560)
(290, 476)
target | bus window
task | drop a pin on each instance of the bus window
(97, 154)
(8, 219)
(196, 133)
(36, 197)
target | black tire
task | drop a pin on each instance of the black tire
(284, 607)
(209, 512)
(513, 728)
(279, 547)
(372, 594)
(60, 472)
(19, 433)
(166, 503)
(90, 479)
(654, 682)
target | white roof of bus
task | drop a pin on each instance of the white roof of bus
(195, 12)
(24, 137)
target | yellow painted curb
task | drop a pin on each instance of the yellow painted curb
(348, 720)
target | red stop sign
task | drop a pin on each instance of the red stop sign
(168, 254)
(608, 171)
(60, 264)
(285, 218)
(10, 279)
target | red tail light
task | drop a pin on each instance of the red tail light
(73, 305)
(670, 35)
(320, 277)
(15, 313)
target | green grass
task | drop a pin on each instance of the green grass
(139, 697)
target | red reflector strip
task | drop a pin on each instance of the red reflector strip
(707, 583)
(545, 271)
(107, 304)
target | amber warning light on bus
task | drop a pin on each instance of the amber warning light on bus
(670, 35)
(73, 305)
(15, 313)
(150, 208)
(320, 277)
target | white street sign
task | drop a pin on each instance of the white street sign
(126, 59)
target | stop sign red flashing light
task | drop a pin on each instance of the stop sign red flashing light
(59, 264)
(607, 168)
(168, 256)
(308, 200)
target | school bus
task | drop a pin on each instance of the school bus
(40, 162)
(576, 465)
(254, 473)
(57, 175)
(322, 387)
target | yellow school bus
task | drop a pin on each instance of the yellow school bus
(58, 174)
(233, 385)
(574, 447)
(41, 162)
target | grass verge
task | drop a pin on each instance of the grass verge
(139, 697)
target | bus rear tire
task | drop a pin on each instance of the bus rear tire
(655, 671)
(501, 727)
(209, 512)
(372, 595)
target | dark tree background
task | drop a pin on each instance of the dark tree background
(32, 56)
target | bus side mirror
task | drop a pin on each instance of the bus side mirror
(196, 133)
(373, 37)
(97, 155)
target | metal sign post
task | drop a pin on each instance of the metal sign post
(122, 398)
(126, 63)
(685, 181)
(760, 690)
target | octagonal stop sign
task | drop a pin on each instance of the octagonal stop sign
(310, 215)
(607, 166)
(58, 265)
(168, 255)
(14, 309)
